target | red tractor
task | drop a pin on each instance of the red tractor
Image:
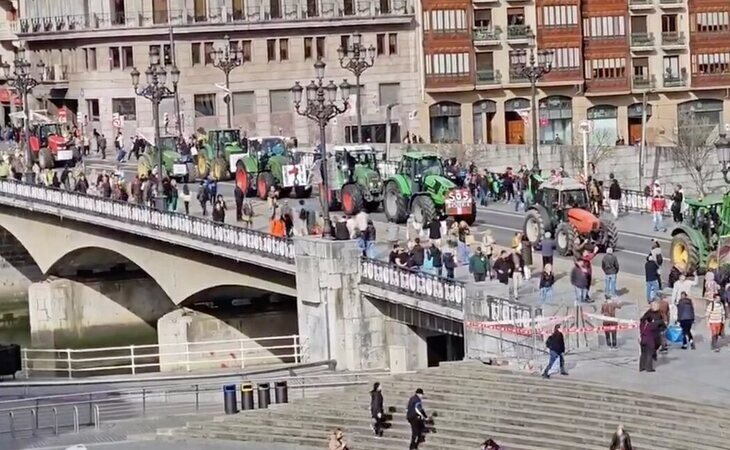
(50, 148)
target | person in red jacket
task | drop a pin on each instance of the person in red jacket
(658, 204)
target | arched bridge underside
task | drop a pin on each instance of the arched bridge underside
(180, 272)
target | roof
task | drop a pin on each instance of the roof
(703, 202)
(260, 138)
(419, 155)
(355, 148)
(563, 184)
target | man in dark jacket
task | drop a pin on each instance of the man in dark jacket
(651, 274)
(686, 317)
(579, 280)
(416, 416)
(556, 344)
(547, 248)
(614, 196)
(376, 409)
(417, 253)
(479, 265)
(610, 267)
(436, 257)
(504, 268)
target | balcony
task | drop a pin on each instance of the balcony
(519, 34)
(643, 82)
(393, 11)
(517, 78)
(485, 3)
(672, 80)
(487, 36)
(710, 80)
(449, 81)
(671, 4)
(642, 42)
(641, 5)
(607, 86)
(488, 77)
(673, 40)
(55, 74)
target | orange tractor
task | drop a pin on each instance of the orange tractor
(50, 148)
(563, 209)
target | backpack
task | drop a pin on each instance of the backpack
(549, 341)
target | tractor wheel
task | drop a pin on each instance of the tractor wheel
(395, 204)
(471, 218)
(423, 209)
(564, 239)
(202, 167)
(372, 207)
(302, 191)
(534, 227)
(722, 274)
(608, 235)
(352, 201)
(144, 167)
(244, 180)
(219, 169)
(684, 253)
(45, 159)
(264, 184)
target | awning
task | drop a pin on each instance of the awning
(6, 96)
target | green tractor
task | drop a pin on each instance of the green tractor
(698, 243)
(174, 164)
(420, 187)
(268, 162)
(219, 155)
(356, 184)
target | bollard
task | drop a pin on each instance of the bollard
(264, 395)
(246, 396)
(282, 392)
(229, 399)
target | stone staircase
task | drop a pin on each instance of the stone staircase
(471, 402)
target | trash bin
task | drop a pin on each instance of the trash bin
(229, 399)
(282, 392)
(246, 396)
(264, 395)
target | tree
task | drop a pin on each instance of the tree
(693, 149)
(600, 148)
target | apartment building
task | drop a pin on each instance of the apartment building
(90, 47)
(606, 55)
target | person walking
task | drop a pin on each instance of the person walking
(651, 276)
(376, 409)
(647, 340)
(518, 272)
(610, 267)
(503, 268)
(449, 261)
(547, 280)
(658, 205)
(614, 196)
(101, 145)
(186, 198)
(716, 320)
(579, 281)
(686, 318)
(621, 440)
(677, 202)
(547, 248)
(556, 344)
(608, 309)
(683, 286)
(479, 265)
(416, 415)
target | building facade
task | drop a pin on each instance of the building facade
(90, 47)
(607, 54)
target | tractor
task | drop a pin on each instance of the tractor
(50, 148)
(219, 154)
(420, 187)
(562, 208)
(357, 184)
(174, 164)
(698, 243)
(268, 162)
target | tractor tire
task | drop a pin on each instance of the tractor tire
(423, 210)
(245, 181)
(202, 167)
(395, 204)
(471, 218)
(144, 167)
(352, 199)
(372, 207)
(722, 274)
(609, 235)
(264, 184)
(302, 192)
(534, 227)
(45, 159)
(219, 169)
(564, 239)
(684, 253)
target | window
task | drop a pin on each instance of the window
(389, 93)
(449, 20)
(164, 52)
(125, 107)
(244, 103)
(712, 63)
(128, 57)
(283, 49)
(246, 50)
(208, 49)
(270, 50)
(605, 68)
(712, 22)
(312, 8)
(669, 23)
(345, 41)
(447, 64)
(671, 67)
(90, 58)
(308, 47)
(280, 101)
(374, 133)
(515, 16)
(204, 105)
(558, 16)
(115, 59)
(380, 44)
(604, 27)
(92, 108)
(195, 53)
(566, 58)
(320, 47)
(393, 43)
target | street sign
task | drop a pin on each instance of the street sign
(117, 120)
(62, 116)
(586, 126)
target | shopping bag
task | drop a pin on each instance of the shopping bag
(674, 334)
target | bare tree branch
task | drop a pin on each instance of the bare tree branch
(599, 149)
(693, 148)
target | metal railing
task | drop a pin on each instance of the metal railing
(187, 356)
(519, 31)
(230, 236)
(487, 34)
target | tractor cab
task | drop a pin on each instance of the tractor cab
(417, 166)
(47, 135)
(220, 139)
(351, 158)
(561, 196)
(699, 243)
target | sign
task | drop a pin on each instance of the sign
(586, 126)
(294, 175)
(179, 169)
(64, 155)
(459, 202)
(117, 120)
(62, 117)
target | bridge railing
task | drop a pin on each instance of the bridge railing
(181, 224)
(436, 289)
(182, 357)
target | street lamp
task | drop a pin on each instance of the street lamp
(320, 106)
(21, 78)
(722, 144)
(356, 59)
(227, 59)
(533, 68)
(156, 91)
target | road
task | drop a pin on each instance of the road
(635, 230)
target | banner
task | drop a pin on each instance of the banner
(459, 202)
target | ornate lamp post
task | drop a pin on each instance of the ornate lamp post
(227, 59)
(356, 59)
(533, 68)
(21, 78)
(156, 91)
(320, 106)
(723, 153)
